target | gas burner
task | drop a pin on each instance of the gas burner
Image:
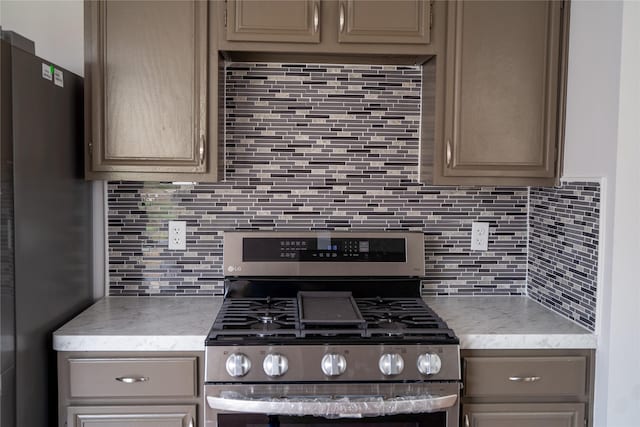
(264, 329)
(390, 323)
(265, 318)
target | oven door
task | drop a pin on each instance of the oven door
(315, 405)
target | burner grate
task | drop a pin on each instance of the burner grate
(376, 319)
(257, 317)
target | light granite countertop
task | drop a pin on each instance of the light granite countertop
(182, 323)
(509, 323)
(140, 324)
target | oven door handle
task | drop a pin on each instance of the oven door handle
(334, 408)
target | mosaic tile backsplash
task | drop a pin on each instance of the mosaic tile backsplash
(317, 147)
(563, 249)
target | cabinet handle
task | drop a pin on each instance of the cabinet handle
(191, 423)
(316, 17)
(449, 153)
(525, 379)
(202, 141)
(466, 420)
(131, 380)
(341, 17)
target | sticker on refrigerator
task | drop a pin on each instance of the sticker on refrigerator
(47, 71)
(58, 78)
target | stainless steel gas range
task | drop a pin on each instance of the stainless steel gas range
(324, 328)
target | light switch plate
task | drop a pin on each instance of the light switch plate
(479, 236)
(178, 235)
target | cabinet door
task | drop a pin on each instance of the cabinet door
(385, 21)
(147, 85)
(524, 415)
(502, 93)
(295, 21)
(132, 416)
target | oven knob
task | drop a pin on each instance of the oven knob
(333, 364)
(275, 365)
(238, 365)
(429, 364)
(391, 364)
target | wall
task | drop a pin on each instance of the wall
(317, 147)
(623, 351)
(590, 148)
(57, 28)
(562, 269)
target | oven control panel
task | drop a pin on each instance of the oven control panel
(323, 249)
(332, 363)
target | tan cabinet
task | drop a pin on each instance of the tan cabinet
(328, 31)
(130, 389)
(132, 416)
(150, 90)
(295, 21)
(385, 21)
(503, 108)
(527, 388)
(527, 415)
(133, 377)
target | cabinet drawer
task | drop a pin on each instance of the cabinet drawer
(133, 377)
(132, 416)
(524, 415)
(525, 376)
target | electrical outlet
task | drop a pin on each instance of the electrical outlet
(479, 236)
(178, 235)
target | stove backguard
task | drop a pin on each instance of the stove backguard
(323, 253)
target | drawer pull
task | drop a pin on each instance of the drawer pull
(525, 379)
(466, 420)
(131, 380)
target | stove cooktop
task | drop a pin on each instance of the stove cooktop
(333, 317)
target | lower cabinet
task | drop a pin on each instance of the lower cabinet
(131, 416)
(524, 415)
(130, 389)
(527, 388)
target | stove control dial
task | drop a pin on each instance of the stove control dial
(275, 365)
(429, 364)
(333, 364)
(238, 365)
(391, 364)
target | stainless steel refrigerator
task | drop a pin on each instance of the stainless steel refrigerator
(45, 226)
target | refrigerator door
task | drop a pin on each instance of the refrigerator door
(52, 206)
(7, 294)
(8, 398)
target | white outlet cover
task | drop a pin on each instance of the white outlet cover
(479, 236)
(178, 235)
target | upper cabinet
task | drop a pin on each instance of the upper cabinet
(386, 21)
(493, 88)
(151, 109)
(503, 98)
(274, 21)
(369, 31)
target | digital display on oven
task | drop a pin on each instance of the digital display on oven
(323, 249)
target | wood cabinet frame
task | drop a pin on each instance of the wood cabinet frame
(583, 399)
(203, 162)
(139, 404)
(547, 172)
